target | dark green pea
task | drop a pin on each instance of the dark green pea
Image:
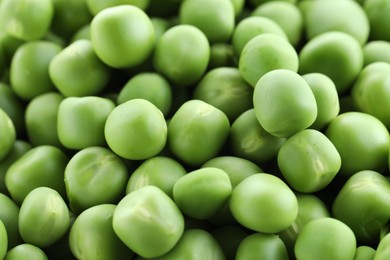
(26, 251)
(229, 238)
(13, 106)
(222, 55)
(9, 212)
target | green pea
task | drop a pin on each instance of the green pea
(262, 246)
(176, 42)
(41, 119)
(264, 203)
(370, 92)
(249, 140)
(43, 217)
(366, 146)
(382, 251)
(92, 235)
(197, 132)
(327, 99)
(77, 71)
(200, 193)
(26, 251)
(9, 212)
(122, 36)
(90, 171)
(293, 102)
(238, 6)
(83, 32)
(81, 121)
(264, 53)
(221, 55)
(148, 222)
(250, 27)
(8, 134)
(40, 166)
(375, 51)
(335, 54)
(26, 19)
(95, 6)
(222, 87)
(362, 205)
(150, 86)
(159, 171)
(340, 240)
(377, 13)
(136, 130)
(343, 16)
(229, 238)
(364, 253)
(3, 240)
(286, 14)
(13, 106)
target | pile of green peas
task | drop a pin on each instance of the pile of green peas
(194, 129)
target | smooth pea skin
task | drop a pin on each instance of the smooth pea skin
(264, 203)
(325, 238)
(382, 251)
(262, 246)
(94, 175)
(136, 130)
(222, 87)
(264, 53)
(200, 193)
(159, 171)
(293, 103)
(77, 71)
(29, 64)
(8, 134)
(3, 240)
(148, 222)
(364, 253)
(308, 161)
(197, 132)
(43, 217)
(335, 54)
(375, 51)
(26, 251)
(122, 36)
(81, 121)
(92, 236)
(182, 54)
(9, 212)
(377, 12)
(41, 166)
(366, 146)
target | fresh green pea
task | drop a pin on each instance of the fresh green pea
(43, 217)
(382, 251)
(148, 222)
(365, 147)
(343, 16)
(160, 26)
(3, 240)
(95, 6)
(327, 99)
(176, 42)
(377, 12)
(40, 166)
(9, 213)
(262, 246)
(264, 53)
(26, 251)
(238, 6)
(293, 102)
(362, 205)
(41, 119)
(200, 193)
(122, 36)
(77, 71)
(264, 203)
(370, 92)
(286, 14)
(221, 55)
(136, 130)
(8, 134)
(81, 121)
(229, 238)
(83, 33)
(375, 51)
(13, 106)
(335, 54)
(364, 253)
(160, 171)
(150, 86)
(250, 27)
(26, 19)
(92, 235)
(197, 132)
(222, 87)
(249, 140)
(340, 240)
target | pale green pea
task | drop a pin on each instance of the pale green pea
(26, 251)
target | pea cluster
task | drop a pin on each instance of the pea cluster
(194, 129)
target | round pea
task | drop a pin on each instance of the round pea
(264, 53)
(83, 33)
(8, 134)
(364, 253)
(148, 222)
(264, 203)
(95, 6)
(221, 55)
(3, 240)
(375, 51)
(293, 103)
(377, 13)
(26, 251)
(136, 130)
(122, 36)
(9, 212)
(92, 236)
(43, 217)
